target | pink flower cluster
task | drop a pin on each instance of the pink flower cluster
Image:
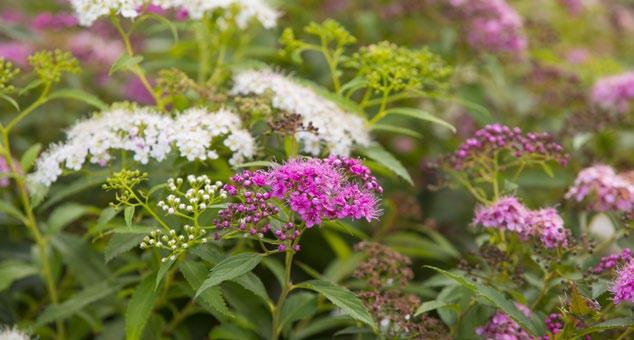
(497, 137)
(623, 286)
(610, 261)
(608, 190)
(492, 25)
(573, 7)
(614, 92)
(4, 170)
(555, 324)
(508, 213)
(502, 327)
(54, 21)
(314, 189)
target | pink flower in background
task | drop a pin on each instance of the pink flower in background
(91, 47)
(4, 169)
(135, 90)
(548, 226)
(13, 17)
(611, 261)
(502, 327)
(507, 213)
(614, 92)
(577, 56)
(573, 7)
(623, 286)
(50, 21)
(607, 190)
(16, 52)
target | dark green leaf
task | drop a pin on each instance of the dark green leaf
(63, 215)
(121, 243)
(383, 157)
(298, 306)
(165, 266)
(397, 130)
(605, 325)
(230, 268)
(12, 270)
(431, 305)
(211, 299)
(9, 209)
(140, 307)
(420, 114)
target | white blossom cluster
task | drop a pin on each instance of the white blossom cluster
(146, 134)
(337, 130)
(8, 333)
(87, 11)
(200, 195)
(173, 242)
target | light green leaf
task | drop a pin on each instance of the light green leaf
(342, 298)
(396, 129)
(496, 298)
(63, 215)
(431, 305)
(383, 157)
(79, 95)
(212, 299)
(12, 270)
(420, 114)
(140, 307)
(256, 164)
(605, 325)
(11, 101)
(128, 214)
(124, 63)
(230, 268)
(28, 158)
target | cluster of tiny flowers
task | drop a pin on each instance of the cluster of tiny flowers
(13, 333)
(611, 261)
(508, 213)
(608, 190)
(53, 21)
(614, 92)
(147, 134)
(293, 97)
(173, 242)
(88, 11)
(200, 195)
(493, 25)
(555, 324)
(623, 286)
(497, 137)
(502, 327)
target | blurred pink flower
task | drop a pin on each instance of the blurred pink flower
(135, 90)
(16, 52)
(51, 21)
(91, 47)
(614, 92)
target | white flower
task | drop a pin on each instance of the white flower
(337, 130)
(88, 11)
(145, 134)
(7, 333)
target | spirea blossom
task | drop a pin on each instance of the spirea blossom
(502, 327)
(16, 52)
(146, 134)
(492, 25)
(508, 213)
(337, 130)
(623, 286)
(608, 191)
(612, 261)
(495, 138)
(614, 92)
(53, 21)
(88, 11)
(13, 333)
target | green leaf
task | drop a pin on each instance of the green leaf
(496, 298)
(298, 306)
(79, 95)
(256, 164)
(342, 298)
(548, 170)
(231, 332)
(396, 129)
(64, 215)
(83, 183)
(230, 268)
(212, 299)
(606, 325)
(85, 263)
(9, 209)
(338, 244)
(124, 63)
(128, 214)
(383, 157)
(320, 325)
(420, 114)
(432, 305)
(12, 270)
(121, 243)
(252, 283)
(165, 266)
(11, 101)
(140, 307)
(77, 302)
(28, 158)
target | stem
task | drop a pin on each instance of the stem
(544, 290)
(30, 221)
(135, 68)
(144, 204)
(286, 288)
(41, 100)
(332, 65)
(625, 334)
(382, 111)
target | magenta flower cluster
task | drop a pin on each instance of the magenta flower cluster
(554, 323)
(502, 327)
(492, 25)
(614, 93)
(508, 213)
(495, 138)
(623, 286)
(54, 21)
(608, 191)
(315, 189)
(611, 261)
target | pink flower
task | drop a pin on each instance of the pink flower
(623, 286)
(614, 92)
(502, 327)
(16, 52)
(507, 213)
(611, 261)
(50, 21)
(548, 226)
(608, 190)
(135, 90)
(90, 47)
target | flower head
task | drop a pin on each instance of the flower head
(548, 226)
(507, 213)
(611, 261)
(502, 327)
(614, 92)
(608, 190)
(623, 286)
(13, 333)
(290, 96)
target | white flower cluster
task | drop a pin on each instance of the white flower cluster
(173, 242)
(202, 194)
(88, 11)
(8, 333)
(146, 134)
(337, 130)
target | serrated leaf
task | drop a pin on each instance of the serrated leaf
(128, 214)
(383, 157)
(11, 271)
(605, 325)
(298, 306)
(342, 298)
(212, 299)
(230, 268)
(252, 283)
(165, 266)
(79, 95)
(140, 307)
(124, 63)
(421, 115)
(64, 215)
(107, 215)
(121, 243)
(496, 298)
(396, 129)
(431, 305)
(28, 158)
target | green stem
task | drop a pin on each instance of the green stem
(625, 334)
(147, 208)
(39, 102)
(286, 288)
(382, 108)
(332, 66)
